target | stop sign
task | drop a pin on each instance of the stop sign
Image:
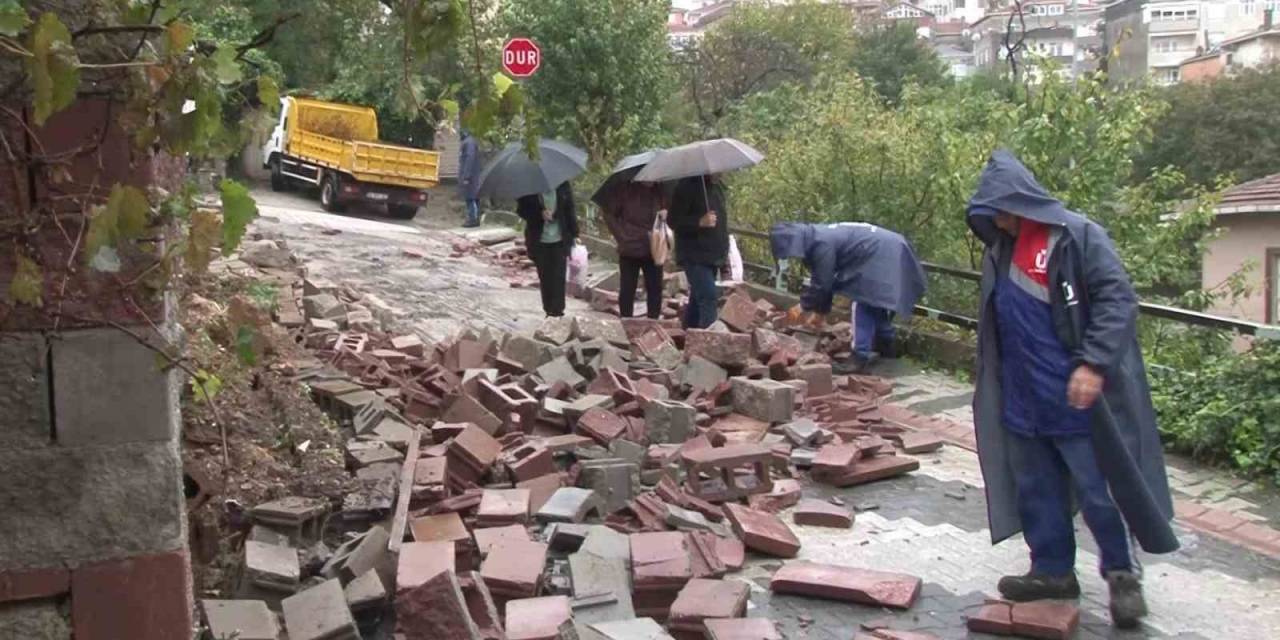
(521, 57)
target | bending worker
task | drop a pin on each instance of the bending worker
(874, 267)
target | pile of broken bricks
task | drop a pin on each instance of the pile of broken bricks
(597, 478)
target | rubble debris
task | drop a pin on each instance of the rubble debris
(319, 613)
(435, 609)
(486, 538)
(570, 504)
(513, 568)
(741, 629)
(366, 593)
(820, 513)
(594, 575)
(271, 566)
(420, 561)
(712, 474)
(765, 400)
(637, 629)
(834, 582)
(243, 619)
(537, 618)
(915, 442)
(1043, 619)
(763, 532)
(444, 527)
(701, 600)
(302, 518)
(500, 507)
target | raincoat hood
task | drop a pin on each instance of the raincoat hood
(790, 239)
(1007, 185)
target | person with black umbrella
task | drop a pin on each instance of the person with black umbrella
(630, 211)
(700, 220)
(550, 231)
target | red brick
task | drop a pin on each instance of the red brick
(445, 527)
(820, 513)
(1046, 620)
(434, 610)
(724, 349)
(918, 442)
(763, 532)
(421, 561)
(514, 568)
(700, 600)
(739, 312)
(732, 552)
(742, 629)
(834, 582)
(721, 464)
(540, 489)
(660, 560)
(139, 598)
(785, 494)
(615, 385)
(834, 460)
(601, 425)
(537, 618)
(994, 617)
(1218, 520)
(873, 469)
(28, 584)
(486, 538)
(1185, 509)
(502, 507)
(531, 461)
(1256, 535)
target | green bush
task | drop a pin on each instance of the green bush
(1225, 411)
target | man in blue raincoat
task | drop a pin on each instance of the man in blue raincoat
(874, 267)
(469, 177)
(1062, 408)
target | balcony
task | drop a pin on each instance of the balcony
(1168, 58)
(1191, 25)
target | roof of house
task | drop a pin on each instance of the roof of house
(1255, 196)
(1252, 35)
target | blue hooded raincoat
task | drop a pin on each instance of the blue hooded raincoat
(1094, 312)
(862, 262)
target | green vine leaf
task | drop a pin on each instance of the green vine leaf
(238, 209)
(178, 38)
(13, 18)
(201, 239)
(205, 386)
(269, 94)
(244, 346)
(122, 219)
(53, 66)
(27, 286)
(225, 65)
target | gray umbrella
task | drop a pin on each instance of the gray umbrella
(700, 159)
(624, 171)
(513, 174)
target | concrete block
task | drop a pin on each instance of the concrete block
(109, 389)
(669, 422)
(241, 619)
(612, 479)
(724, 349)
(765, 400)
(272, 566)
(24, 391)
(560, 370)
(569, 504)
(319, 613)
(324, 306)
(607, 329)
(593, 575)
(83, 504)
(701, 373)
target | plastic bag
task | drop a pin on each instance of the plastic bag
(578, 258)
(660, 241)
(735, 261)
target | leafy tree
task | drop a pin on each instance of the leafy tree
(891, 56)
(605, 69)
(1225, 127)
(760, 46)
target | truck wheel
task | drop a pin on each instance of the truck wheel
(402, 211)
(278, 181)
(329, 189)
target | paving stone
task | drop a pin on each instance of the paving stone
(660, 560)
(637, 629)
(395, 433)
(742, 629)
(628, 451)
(608, 329)
(802, 433)
(487, 537)
(323, 306)
(560, 370)
(872, 469)
(593, 575)
(527, 352)
(1045, 619)
(607, 543)
(701, 373)
(537, 618)
(444, 527)
(763, 532)
(363, 454)
(570, 504)
(435, 610)
(367, 552)
(820, 513)
(765, 400)
(784, 495)
(834, 460)
(689, 520)
(601, 425)
(541, 489)
(849, 584)
(366, 593)
(731, 350)
(701, 600)
(503, 506)
(514, 568)
(242, 619)
(669, 421)
(271, 566)
(920, 442)
(421, 561)
(319, 613)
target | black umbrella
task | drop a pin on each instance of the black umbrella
(623, 172)
(513, 174)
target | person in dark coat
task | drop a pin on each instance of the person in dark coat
(550, 230)
(630, 212)
(874, 267)
(700, 220)
(469, 177)
(1062, 408)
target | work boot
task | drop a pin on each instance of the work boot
(1039, 587)
(1127, 604)
(886, 348)
(852, 365)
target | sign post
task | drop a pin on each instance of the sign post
(521, 57)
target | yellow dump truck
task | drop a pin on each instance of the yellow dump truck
(335, 147)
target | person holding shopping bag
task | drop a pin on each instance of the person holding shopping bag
(634, 213)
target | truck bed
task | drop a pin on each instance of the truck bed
(374, 162)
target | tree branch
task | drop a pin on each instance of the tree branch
(123, 28)
(266, 35)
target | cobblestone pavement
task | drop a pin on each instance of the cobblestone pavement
(931, 523)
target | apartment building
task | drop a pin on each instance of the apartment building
(1152, 38)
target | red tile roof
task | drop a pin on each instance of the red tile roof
(1261, 195)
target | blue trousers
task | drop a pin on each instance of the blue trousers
(869, 324)
(1045, 468)
(473, 211)
(703, 296)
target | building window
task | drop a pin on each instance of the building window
(1175, 14)
(1248, 7)
(1167, 76)
(1166, 45)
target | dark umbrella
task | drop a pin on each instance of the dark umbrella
(700, 159)
(513, 174)
(623, 172)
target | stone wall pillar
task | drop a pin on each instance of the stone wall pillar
(92, 511)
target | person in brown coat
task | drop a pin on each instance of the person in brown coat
(630, 212)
